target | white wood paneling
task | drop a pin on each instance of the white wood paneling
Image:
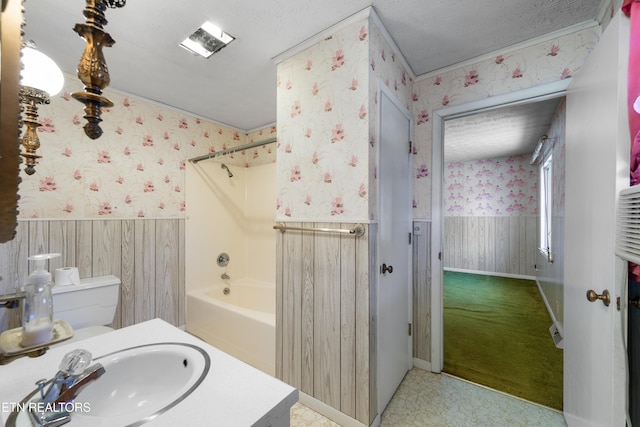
(323, 318)
(152, 279)
(493, 244)
(422, 290)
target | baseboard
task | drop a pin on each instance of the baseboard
(422, 364)
(332, 413)
(491, 273)
(551, 314)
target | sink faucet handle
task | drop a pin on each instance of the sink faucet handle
(75, 362)
(41, 383)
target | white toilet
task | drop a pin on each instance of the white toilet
(87, 307)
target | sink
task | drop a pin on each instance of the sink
(140, 383)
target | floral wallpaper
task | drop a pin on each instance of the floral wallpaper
(327, 124)
(491, 187)
(327, 133)
(323, 122)
(532, 66)
(385, 67)
(136, 169)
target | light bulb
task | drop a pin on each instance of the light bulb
(41, 72)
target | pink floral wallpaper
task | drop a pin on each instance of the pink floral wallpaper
(327, 133)
(385, 67)
(323, 122)
(135, 170)
(327, 124)
(540, 64)
(492, 187)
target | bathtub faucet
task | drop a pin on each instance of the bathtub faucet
(225, 276)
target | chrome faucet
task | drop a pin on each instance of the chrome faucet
(225, 276)
(69, 381)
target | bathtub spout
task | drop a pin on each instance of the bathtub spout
(225, 276)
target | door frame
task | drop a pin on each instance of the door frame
(524, 96)
(384, 90)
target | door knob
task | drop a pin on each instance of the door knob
(605, 297)
(386, 269)
(635, 302)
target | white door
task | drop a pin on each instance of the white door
(394, 254)
(597, 156)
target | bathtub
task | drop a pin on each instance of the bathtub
(242, 323)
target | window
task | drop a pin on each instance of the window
(546, 199)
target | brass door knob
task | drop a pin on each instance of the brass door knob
(635, 302)
(605, 297)
(386, 269)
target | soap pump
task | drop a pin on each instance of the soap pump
(37, 319)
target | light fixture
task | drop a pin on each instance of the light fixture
(41, 78)
(206, 40)
(92, 69)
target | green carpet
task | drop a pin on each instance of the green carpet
(496, 333)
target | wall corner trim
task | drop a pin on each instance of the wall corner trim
(387, 36)
(513, 48)
(315, 39)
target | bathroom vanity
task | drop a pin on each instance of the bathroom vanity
(231, 393)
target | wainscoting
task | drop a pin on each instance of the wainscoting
(422, 290)
(325, 317)
(146, 254)
(505, 245)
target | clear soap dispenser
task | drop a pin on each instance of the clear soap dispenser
(37, 319)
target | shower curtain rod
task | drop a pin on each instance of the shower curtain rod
(232, 150)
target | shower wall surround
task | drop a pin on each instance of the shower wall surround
(117, 205)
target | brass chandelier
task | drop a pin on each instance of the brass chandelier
(92, 69)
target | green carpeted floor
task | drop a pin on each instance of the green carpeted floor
(496, 333)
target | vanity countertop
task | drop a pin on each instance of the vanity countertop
(232, 394)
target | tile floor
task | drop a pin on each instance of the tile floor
(425, 399)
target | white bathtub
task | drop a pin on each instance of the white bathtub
(242, 323)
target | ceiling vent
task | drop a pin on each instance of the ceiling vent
(206, 40)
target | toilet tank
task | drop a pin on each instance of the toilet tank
(91, 303)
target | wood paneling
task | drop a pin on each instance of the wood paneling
(323, 321)
(422, 290)
(167, 247)
(492, 244)
(326, 317)
(368, 371)
(147, 255)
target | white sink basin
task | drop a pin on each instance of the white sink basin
(139, 384)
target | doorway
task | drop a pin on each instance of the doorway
(481, 214)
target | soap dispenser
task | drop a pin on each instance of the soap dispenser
(37, 318)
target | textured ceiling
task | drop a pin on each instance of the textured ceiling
(502, 132)
(237, 86)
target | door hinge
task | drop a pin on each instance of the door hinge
(409, 329)
(409, 238)
(440, 256)
(410, 147)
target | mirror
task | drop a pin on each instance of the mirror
(10, 45)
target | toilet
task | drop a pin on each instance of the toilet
(87, 307)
